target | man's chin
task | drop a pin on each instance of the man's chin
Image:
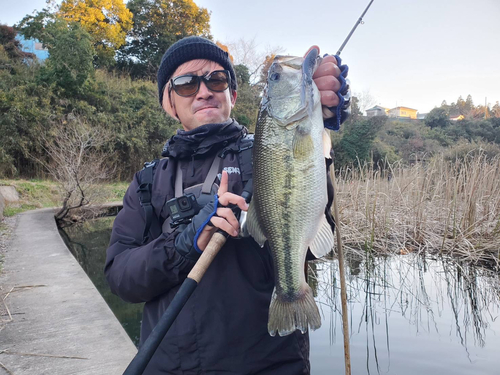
(210, 118)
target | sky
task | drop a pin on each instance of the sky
(412, 53)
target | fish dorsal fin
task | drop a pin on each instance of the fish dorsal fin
(323, 242)
(253, 227)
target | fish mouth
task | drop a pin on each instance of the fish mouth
(309, 65)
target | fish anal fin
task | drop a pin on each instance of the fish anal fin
(324, 241)
(253, 227)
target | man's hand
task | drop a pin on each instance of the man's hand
(326, 79)
(225, 218)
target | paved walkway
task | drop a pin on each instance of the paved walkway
(59, 324)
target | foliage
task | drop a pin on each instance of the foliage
(464, 149)
(45, 193)
(11, 45)
(70, 48)
(107, 22)
(127, 109)
(356, 142)
(242, 74)
(247, 104)
(437, 118)
(225, 48)
(157, 24)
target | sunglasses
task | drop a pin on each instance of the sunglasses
(189, 84)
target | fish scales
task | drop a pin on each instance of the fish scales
(289, 200)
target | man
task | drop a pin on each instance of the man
(222, 329)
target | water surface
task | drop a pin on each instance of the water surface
(408, 314)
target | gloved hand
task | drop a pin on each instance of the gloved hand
(330, 78)
(193, 239)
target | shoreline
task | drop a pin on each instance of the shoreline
(55, 320)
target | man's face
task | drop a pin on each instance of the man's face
(204, 107)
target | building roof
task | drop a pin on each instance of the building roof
(377, 107)
(404, 108)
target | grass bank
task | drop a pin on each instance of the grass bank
(439, 207)
(45, 193)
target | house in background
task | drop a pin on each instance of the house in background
(33, 46)
(377, 111)
(421, 116)
(403, 112)
(457, 117)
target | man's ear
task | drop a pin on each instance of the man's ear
(234, 95)
(169, 105)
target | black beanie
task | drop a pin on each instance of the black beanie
(187, 49)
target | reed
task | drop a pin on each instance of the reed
(435, 206)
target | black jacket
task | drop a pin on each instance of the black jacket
(222, 329)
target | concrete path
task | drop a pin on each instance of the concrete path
(60, 323)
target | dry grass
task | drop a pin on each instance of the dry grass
(453, 208)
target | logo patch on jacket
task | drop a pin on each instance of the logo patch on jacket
(230, 170)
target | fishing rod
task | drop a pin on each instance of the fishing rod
(148, 349)
(343, 287)
(358, 22)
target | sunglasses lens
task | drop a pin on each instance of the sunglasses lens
(218, 81)
(189, 84)
(186, 85)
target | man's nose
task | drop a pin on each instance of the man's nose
(204, 92)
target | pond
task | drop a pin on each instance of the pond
(408, 314)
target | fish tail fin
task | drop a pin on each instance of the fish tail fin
(285, 316)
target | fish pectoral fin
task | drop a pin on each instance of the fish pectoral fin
(323, 242)
(327, 144)
(302, 144)
(253, 227)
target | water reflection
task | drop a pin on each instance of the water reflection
(409, 314)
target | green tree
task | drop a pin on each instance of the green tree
(71, 52)
(469, 105)
(247, 105)
(157, 25)
(437, 118)
(357, 140)
(242, 74)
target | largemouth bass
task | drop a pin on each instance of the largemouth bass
(290, 188)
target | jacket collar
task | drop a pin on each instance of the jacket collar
(203, 140)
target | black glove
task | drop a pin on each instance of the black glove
(186, 240)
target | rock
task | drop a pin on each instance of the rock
(9, 194)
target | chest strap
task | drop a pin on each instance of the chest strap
(207, 184)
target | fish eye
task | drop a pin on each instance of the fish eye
(274, 76)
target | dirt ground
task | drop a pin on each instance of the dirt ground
(7, 226)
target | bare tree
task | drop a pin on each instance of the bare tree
(247, 52)
(365, 100)
(76, 161)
